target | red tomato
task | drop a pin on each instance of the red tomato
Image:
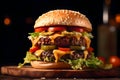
(90, 49)
(56, 28)
(114, 60)
(102, 58)
(78, 29)
(64, 49)
(33, 49)
(40, 29)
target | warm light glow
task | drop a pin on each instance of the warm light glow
(107, 2)
(7, 21)
(117, 18)
(29, 20)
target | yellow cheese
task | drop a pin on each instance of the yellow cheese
(38, 52)
(78, 35)
(34, 42)
(52, 37)
(85, 54)
(88, 41)
(58, 54)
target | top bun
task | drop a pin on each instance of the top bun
(63, 17)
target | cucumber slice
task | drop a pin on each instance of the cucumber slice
(77, 47)
(48, 47)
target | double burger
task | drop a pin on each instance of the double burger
(61, 39)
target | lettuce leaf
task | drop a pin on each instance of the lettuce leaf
(92, 62)
(76, 64)
(88, 35)
(29, 57)
(34, 34)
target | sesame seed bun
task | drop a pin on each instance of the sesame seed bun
(50, 65)
(63, 17)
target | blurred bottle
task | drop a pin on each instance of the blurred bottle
(107, 41)
(107, 34)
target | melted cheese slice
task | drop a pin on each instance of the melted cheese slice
(38, 52)
(78, 36)
(34, 42)
(52, 37)
(85, 54)
(58, 54)
(88, 41)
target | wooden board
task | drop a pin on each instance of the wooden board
(28, 71)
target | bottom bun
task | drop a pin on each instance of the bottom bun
(50, 65)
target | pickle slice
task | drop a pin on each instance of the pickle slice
(77, 47)
(48, 47)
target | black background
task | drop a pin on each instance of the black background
(13, 38)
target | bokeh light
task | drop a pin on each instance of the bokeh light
(29, 20)
(117, 18)
(7, 21)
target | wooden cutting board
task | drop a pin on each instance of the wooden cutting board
(28, 71)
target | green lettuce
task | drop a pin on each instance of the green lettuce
(88, 34)
(92, 62)
(36, 34)
(29, 57)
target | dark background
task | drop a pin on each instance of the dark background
(13, 38)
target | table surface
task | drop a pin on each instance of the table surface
(7, 77)
(8, 74)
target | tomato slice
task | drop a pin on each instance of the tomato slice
(56, 28)
(90, 49)
(40, 29)
(64, 49)
(33, 49)
(77, 29)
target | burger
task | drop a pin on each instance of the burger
(61, 40)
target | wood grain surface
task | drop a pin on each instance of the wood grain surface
(30, 72)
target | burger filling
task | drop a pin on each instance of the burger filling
(62, 45)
